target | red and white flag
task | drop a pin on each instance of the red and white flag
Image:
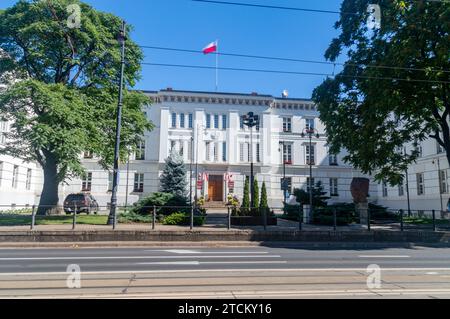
(210, 48)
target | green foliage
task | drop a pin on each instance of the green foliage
(292, 212)
(373, 112)
(132, 217)
(245, 207)
(319, 198)
(174, 179)
(183, 219)
(263, 202)
(345, 214)
(64, 102)
(255, 197)
(165, 204)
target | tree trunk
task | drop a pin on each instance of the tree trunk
(49, 196)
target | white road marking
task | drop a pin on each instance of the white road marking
(119, 272)
(130, 257)
(212, 262)
(185, 251)
(384, 256)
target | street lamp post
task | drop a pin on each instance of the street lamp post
(112, 213)
(251, 120)
(407, 188)
(439, 181)
(190, 170)
(310, 132)
(284, 184)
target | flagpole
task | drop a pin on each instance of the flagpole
(217, 66)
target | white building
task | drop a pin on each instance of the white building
(206, 127)
(427, 179)
(20, 182)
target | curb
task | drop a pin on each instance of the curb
(197, 237)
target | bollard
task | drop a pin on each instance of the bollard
(192, 218)
(368, 219)
(154, 217)
(334, 219)
(300, 217)
(264, 213)
(401, 220)
(229, 218)
(33, 217)
(434, 220)
(74, 221)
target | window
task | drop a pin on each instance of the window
(181, 150)
(224, 122)
(216, 121)
(110, 181)
(334, 187)
(309, 124)
(174, 120)
(190, 152)
(172, 147)
(15, 178)
(3, 130)
(310, 154)
(418, 149)
(443, 186)
(439, 148)
(287, 124)
(241, 152)
(88, 155)
(309, 182)
(208, 151)
(216, 152)
(1, 172)
(208, 120)
(420, 184)
(287, 154)
(140, 151)
(191, 120)
(28, 182)
(138, 183)
(286, 184)
(86, 184)
(182, 120)
(385, 189)
(332, 160)
(258, 153)
(241, 122)
(401, 190)
(224, 151)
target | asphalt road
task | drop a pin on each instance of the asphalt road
(243, 272)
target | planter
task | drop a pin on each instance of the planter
(252, 221)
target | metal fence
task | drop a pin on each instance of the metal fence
(225, 217)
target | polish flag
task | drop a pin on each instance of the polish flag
(210, 48)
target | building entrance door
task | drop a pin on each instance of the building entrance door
(215, 188)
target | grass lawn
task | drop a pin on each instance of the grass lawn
(21, 220)
(424, 221)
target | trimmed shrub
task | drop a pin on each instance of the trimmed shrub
(183, 219)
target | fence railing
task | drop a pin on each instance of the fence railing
(228, 217)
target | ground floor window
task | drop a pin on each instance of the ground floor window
(138, 183)
(86, 184)
(334, 187)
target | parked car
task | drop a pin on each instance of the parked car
(84, 203)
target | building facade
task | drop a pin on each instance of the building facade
(206, 129)
(427, 182)
(20, 182)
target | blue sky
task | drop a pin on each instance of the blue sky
(191, 25)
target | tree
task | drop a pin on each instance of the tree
(393, 89)
(319, 198)
(263, 202)
(174, 177)
(255, 194)
(245, 207)
(63, 98)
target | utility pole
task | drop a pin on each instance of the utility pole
(407, 188)
(190, 169)
(310, 131)
(251, 120)
(113, 211)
